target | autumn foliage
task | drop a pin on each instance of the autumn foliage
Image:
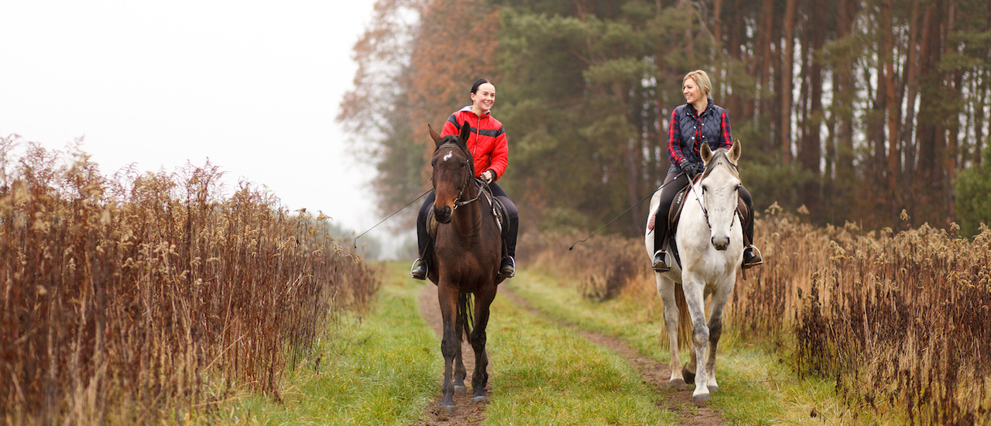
(855, 109)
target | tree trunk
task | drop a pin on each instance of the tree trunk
(911, 83)
(887, 54)
(811, 151)
(931, 130)
(787, 63)
(844, 96)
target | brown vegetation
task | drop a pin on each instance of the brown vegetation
(143, 297)
(899, 319)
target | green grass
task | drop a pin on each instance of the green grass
(380, 369)
(385, 367)
(543, 373)
(755, 386)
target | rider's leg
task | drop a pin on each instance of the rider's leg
(673, 183)
(508, 266)
(751, 255)
(419, 268)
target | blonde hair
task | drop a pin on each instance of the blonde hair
(701, 80)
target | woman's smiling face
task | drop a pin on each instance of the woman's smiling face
(483, 99)
(691, 90)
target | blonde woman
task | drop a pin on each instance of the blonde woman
(696, 122)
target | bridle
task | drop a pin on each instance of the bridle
(699, 197)
(469, 174)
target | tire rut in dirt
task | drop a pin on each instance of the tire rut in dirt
(654, 373)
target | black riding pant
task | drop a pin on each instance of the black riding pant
(674, 182)
(422, 238)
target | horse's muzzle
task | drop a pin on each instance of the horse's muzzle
(720, 243)
(443, 215)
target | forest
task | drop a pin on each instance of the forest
(863, 111)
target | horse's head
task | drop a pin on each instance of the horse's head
(720, 185)
(454, 169)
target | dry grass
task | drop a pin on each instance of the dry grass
(899, 319)
(139, 298)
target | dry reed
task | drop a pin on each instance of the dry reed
(899, 319)
(136, 298)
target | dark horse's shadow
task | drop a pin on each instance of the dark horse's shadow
(467, 250)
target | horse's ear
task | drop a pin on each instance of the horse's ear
(735, 151)
(434, 135)
(465, 132)
(706, 153)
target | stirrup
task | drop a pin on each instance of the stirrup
(658, 262)
(416, 271)
(758, 259)
(503, 266)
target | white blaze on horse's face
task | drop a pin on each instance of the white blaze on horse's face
(448, 156)
(720, 193)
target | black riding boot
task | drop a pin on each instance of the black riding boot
(660, 234)
(751, 255)
(419, 269)
(508, 267)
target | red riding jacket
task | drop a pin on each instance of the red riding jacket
(487, 142)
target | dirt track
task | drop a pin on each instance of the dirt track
(654, 374)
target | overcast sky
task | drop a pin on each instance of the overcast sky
(252, 86)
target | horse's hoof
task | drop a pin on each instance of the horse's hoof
(713, 389)
(460, 390)
(479, 400)
(678, 384)
(689, 376)
(448, 409)
(700, 400)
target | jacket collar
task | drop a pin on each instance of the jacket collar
(691, 108)
(468, 109)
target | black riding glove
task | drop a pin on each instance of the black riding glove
(691, 169)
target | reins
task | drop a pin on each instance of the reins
(698, 197)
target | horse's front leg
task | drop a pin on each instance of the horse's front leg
(459, 365)
(700, 335)
(666, 289)
(717, 305)
(483, 301)
(450, 345)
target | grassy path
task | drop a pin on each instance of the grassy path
(555, 359)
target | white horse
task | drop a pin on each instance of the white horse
(709, 239)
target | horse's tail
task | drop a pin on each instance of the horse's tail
(466, 306)
(684, 319)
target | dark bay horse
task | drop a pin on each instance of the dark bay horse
(467, 253)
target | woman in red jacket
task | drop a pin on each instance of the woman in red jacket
(491, 151)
